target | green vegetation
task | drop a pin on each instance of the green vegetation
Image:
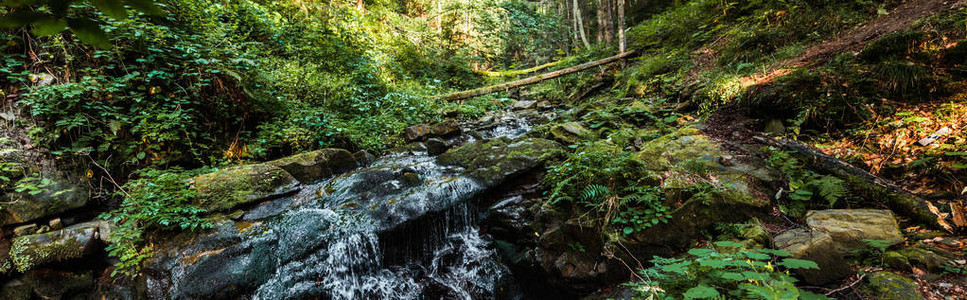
(158, 200)
(804, 185)
(727, 270)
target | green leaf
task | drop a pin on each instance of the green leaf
(756, 255)
(805, 295)
(728, 244)
(48, 26)
(90, 33)
(955, 153)
(793, 263)
(146, 6)
(629, 230)
(774, 252)
(701, 292)
(112, 8)
(700, 252)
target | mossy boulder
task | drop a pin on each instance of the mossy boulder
(492, 161)
(225, 189)
(889, 286)
(929, 259)
(570, 133)
(61, 195)
(315, 165)
(72, 242)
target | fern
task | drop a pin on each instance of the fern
(595, 193)
(830, 188)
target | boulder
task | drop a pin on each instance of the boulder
(832, 235)
(68, 243)
(889, 286)
(818, 247)
(61, 195)
(570, 133)
(849, 227)
(316, 165)
(492, 161)
(439, 129)
(225, 189)
(53, 284)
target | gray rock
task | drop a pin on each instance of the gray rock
(440, 129)
(492, 161)
(225, 189)
(849, 227)
(571, 132)
(524, 104)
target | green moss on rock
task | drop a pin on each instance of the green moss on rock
(29, 251)
(889, 286)
(228, 188)
(492, 161)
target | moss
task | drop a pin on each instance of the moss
(32, 250)
(890, 286)
(493, 160)
(228, 188)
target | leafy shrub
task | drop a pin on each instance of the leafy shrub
(727, 270)
(158, 200)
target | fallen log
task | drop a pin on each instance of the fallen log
(534, 79)
(893, 196)
(513, 73)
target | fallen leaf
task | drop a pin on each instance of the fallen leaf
(940, 218)
(958, 214)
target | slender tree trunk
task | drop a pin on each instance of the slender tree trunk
(577, 18)
(621, 26)
(600, 16)
(359, 5)
(608, 24)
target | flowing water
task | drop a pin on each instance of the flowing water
(403, 227)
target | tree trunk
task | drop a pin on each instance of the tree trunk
(895, 197)
(580, 22)
(621, 26)
(359, 5)
(533, 79)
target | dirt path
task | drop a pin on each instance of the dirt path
(854, 40)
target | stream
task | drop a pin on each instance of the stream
(403, 227)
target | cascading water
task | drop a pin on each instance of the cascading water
(354, 210)
(405, 227)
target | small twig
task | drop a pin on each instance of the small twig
(851, 285)
(109, 177)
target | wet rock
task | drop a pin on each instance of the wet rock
(889, 286)
(225, 189)
(439, 129)
(363, 157)
(491, 162)
(436, 146)
(316, 165)
(818, 247)
(65, 244)
(570, 133)
(25, 229)
(523, 104)
(849, 227)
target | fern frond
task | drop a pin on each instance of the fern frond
(595, 193)
(830, 188)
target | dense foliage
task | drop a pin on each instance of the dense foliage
(728, 270)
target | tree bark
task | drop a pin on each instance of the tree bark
(895, 197)
(512, 73)
(580, 23)
(621, 26)
(533, 79)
